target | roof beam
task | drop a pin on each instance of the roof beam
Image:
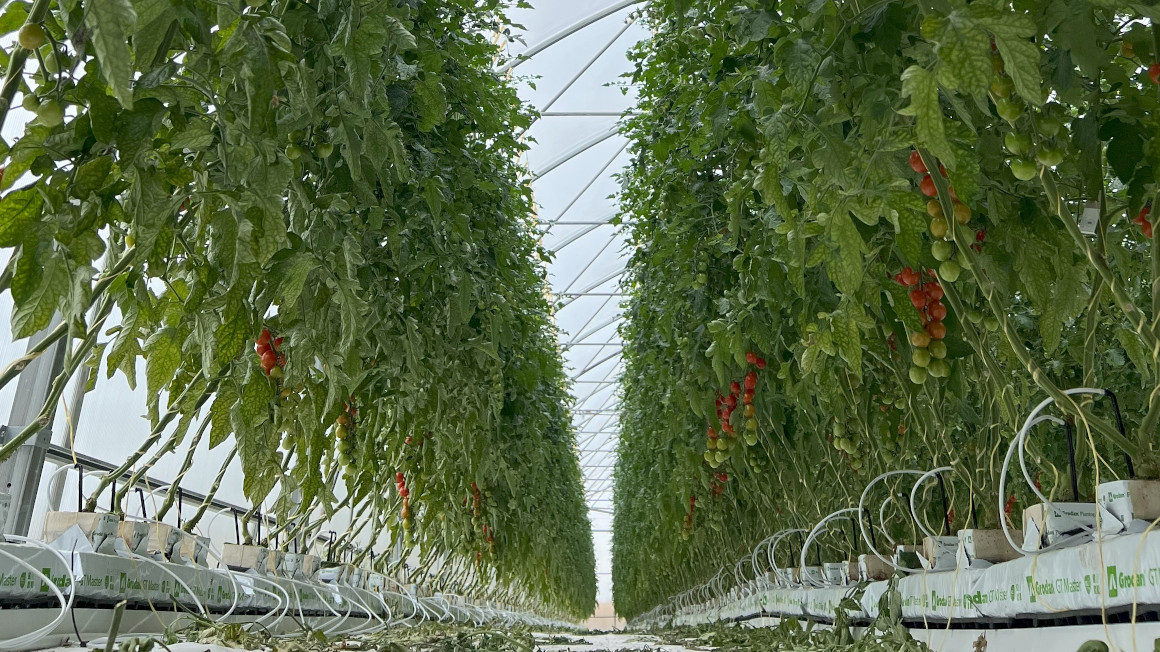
(575, 151)
(563, 34)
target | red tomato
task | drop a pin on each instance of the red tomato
(916, 163)
(938, 311)
(927, 186)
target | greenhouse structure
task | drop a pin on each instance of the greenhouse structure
(589, 325)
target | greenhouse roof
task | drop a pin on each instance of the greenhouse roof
(569, 66)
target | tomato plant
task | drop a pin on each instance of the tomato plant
(883, 199)
(337, 183)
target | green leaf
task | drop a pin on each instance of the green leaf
(964, 52)
(920, 86)
(19, 211)
(846, 264)
(256, 396)
(1012, 34)
(41, 280)
(14, 18)
(112, 23)
(398, 36)
(154, 17)
(291, 274)
(220, 427)
(268, 236)
(232, 335)
(162, 358)
(91, 176)
(911, 226)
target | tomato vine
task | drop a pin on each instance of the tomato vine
(884, 200)
(308, 220)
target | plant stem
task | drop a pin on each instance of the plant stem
(152, 439)
(171, 495)
(17, 60)
(217, 483)
(55, 391)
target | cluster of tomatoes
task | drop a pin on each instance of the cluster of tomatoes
(717, 484)
(1143, 222)
(1010, 506)
(405, 494)
(269, 354)
(719, 445)
(342, 429)
(943, 249)
(929, 357)
(689, 516)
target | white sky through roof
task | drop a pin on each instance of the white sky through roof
(578, 57)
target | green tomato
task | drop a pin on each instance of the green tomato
(32, 36)
(1002, 86)
(1024, 169)
(30, 102)
(294, 152)
(323, 150)
(920, 357)
(1009, 110)
(50, 114)
(918, 375)
(942, 250)
(710, 457)
(1049, 126)
(938, 349)
(721, 456)
(949, 271)
(1049, 156)
(939, 368)
(751, 439)
(702, 279)
(991, 324)
(1017, 143)
(975, 316)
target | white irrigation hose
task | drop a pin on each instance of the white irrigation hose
(756, 549)
(285, 593)
(882, 520)
(268, 613)
(862, 524)
(37, 635)
(1032, 419)
(407, 595)
(914, 494)
(1027, 475)
(216, 556)
(771, 551)
(814, 533)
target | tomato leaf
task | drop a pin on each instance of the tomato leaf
(920, 86)
(112, 23)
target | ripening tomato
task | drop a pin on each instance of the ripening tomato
(937, 330)
(751, 380)
(938, 311)
(933, 291)
(918, 298)
(761, 363)
(751, 357)
(927, 186)
(269, 360)
(916, 163)
(264, 338)
(735, 387)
